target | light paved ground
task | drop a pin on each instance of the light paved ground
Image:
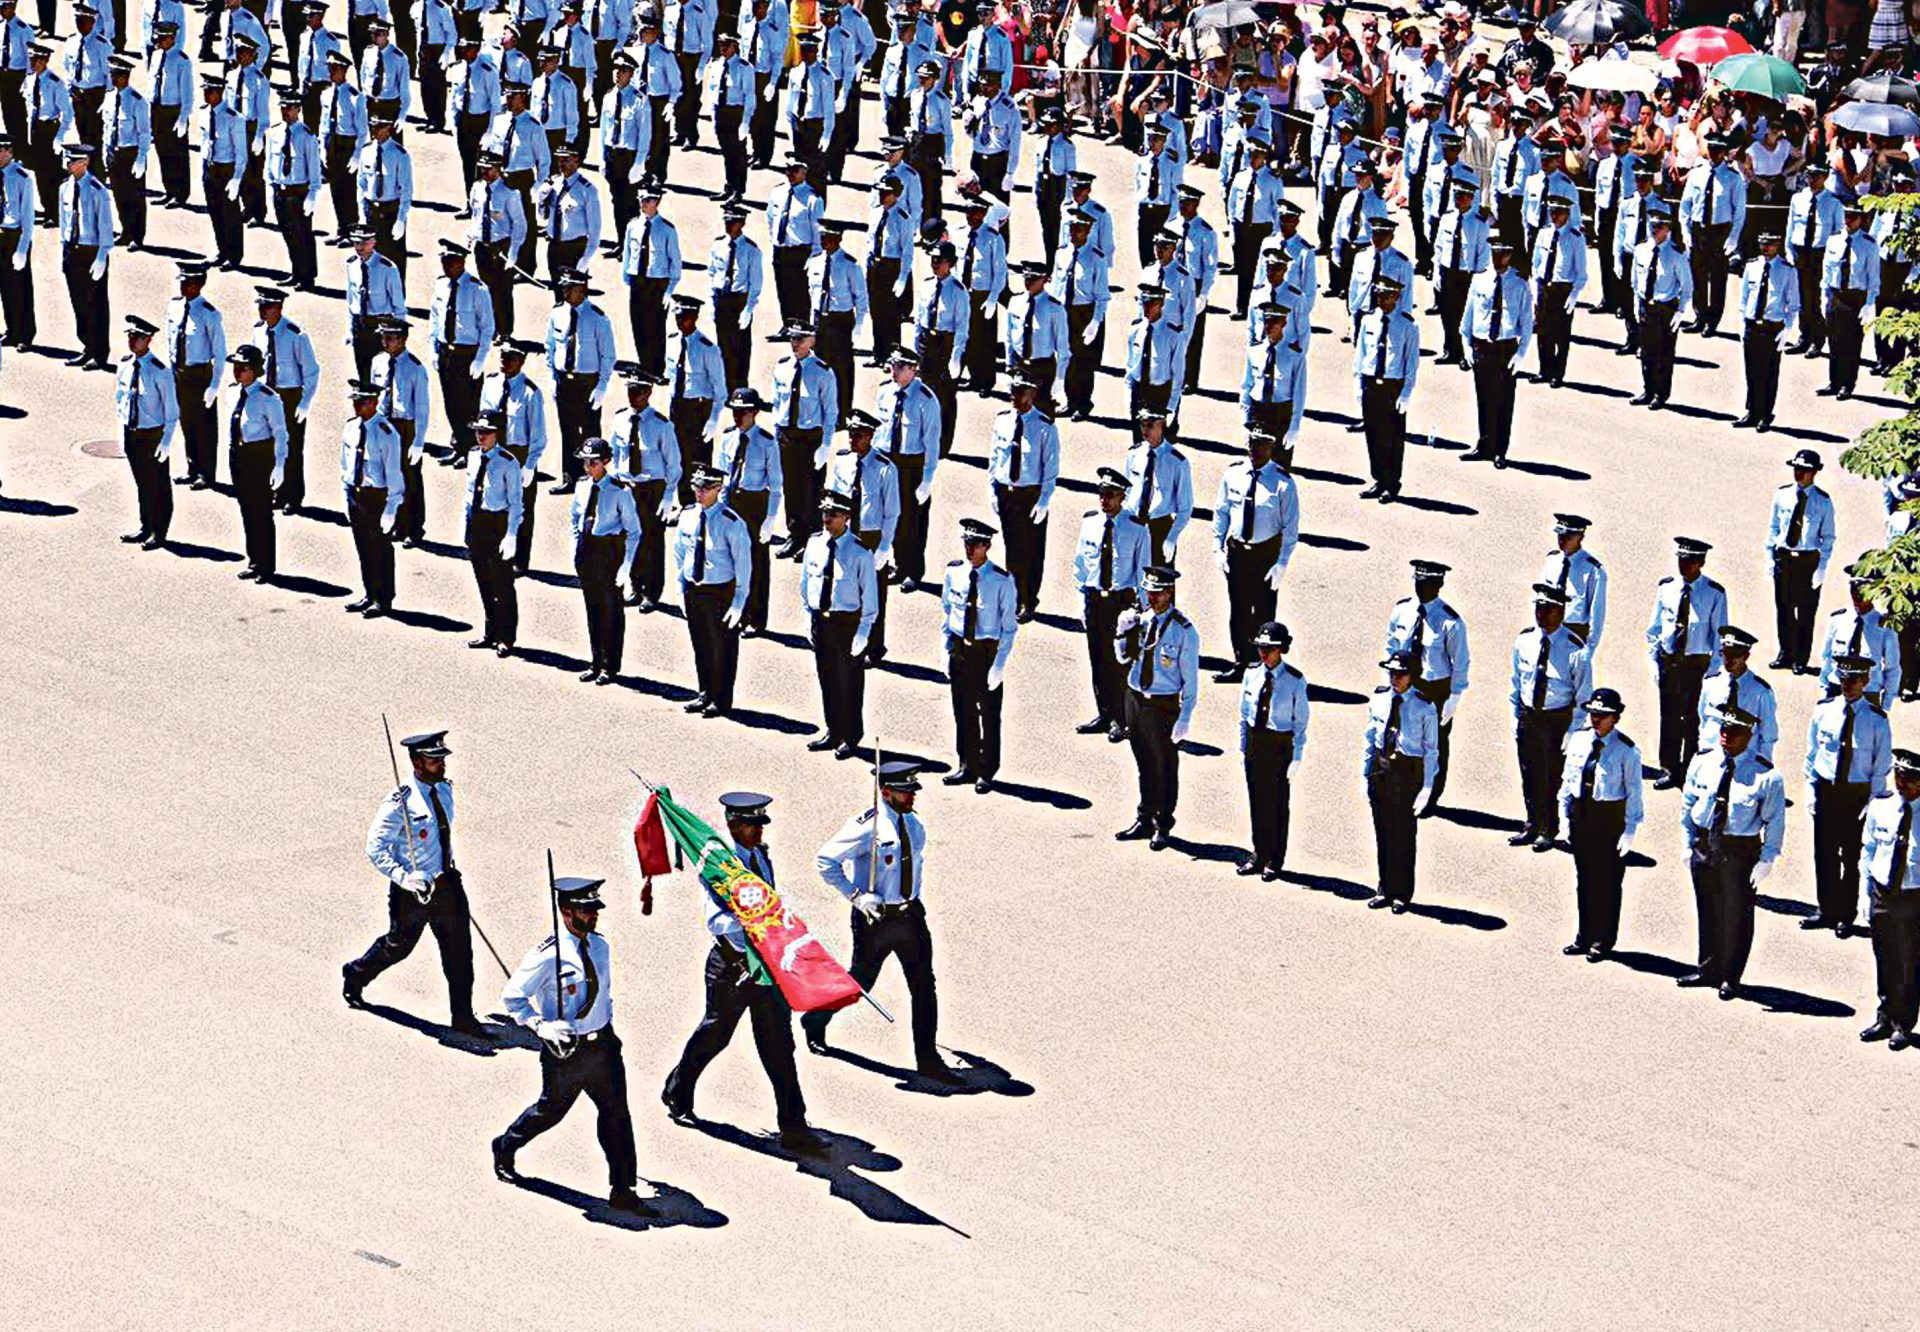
(1205, 1101)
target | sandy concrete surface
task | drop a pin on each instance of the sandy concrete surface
(1201, 1100)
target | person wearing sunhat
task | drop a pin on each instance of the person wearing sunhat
(1889, 880)
(1733, 812)
(1737, 684)
(1600, 804)
(1551, 677)
(1800, 535)
(712, 554)
(1849, 758)
(736, 985)
(1400, 765)
(253, 425)
(145, 406)
(1769, 313)
(605, 526)
(373, 484)
(562, 992)
(1689, 611)
(1273, 742)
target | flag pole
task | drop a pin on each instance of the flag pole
(559, 1049)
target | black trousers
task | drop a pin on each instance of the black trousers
(499, 602)
(1538, 735)
(1101, 613)
(1049, 196)
(129, 196)
(1630, 317)
(936, 371)
(647, 313)
(522, 183)
(433, 82)
(976, 705)
(366, 505)
(1150, 723)
(927, 156)
(736, 343)
(790, 283)
(1707, 253)
(650, 557)
(170, 146)
(338, 149)
(491, 264)
(1387, 429)
(1813, 323)
(296, 229)
(731, 993)
(1454, 284)
(151, 486)
(1896, 954)
(251, 466)
(1149, 219)
(1510, 224)
(877, 637)
(1554, 328)
(1845, 334)
(411, 521)
(1391, 791)
(1656, 331)
(16, 292)
(43, 159)
(596, 561)
(689, 417)
(594, 1067)
(1598, 869)
(1437, 692)
(579, 418)
(1761, 351)
(1493, 387)
(1026, 541)
(1082, 362)
(88, 297)
(1723, 896)
(1250, 600)
(716, 648)
(808, 143)
(407, 917)
(1838, 808)
(468, 130)
(686, 110)
(842, 676)
(13, 106)
(199, 434)
(253, 188)
(459, 395)
(731, 134)
(833, 343)
(1796, 603)
(293, 482)
(752, 506)
(660, 147)
(761, 126)
(223, 214)
(1680, 677)
(1331, 197)
(1194, 342)
(1269, 794)
(983, 341)
(1601, 244)
(801, 480)
(900, 932)
(910, 532)
(623, 194)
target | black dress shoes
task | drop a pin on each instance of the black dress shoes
(1574, 949)
(802, 1139)
(1271, 874)
(1816, 923)
(844, 750)
(1094, 727)
(1900, 1039)
(1134, 831)
(1377, 901)
(958, 777)
(503, 1161)
(816, 746)
(133, 538)
(1693, 980)
(1728, 990)
(1521, 838)
(1159, 840)
(1879, 1031)
(1249, 866)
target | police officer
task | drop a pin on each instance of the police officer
(1162, 651)
(463, 327)
(563, 992)
(411, 844)
(495, 500)
(1800, 530)
(1496, 328)
(1386, 362)
(1036, 339)
(878, 862)
(711, 550)
(868, 480)
(750, 460)
(1736, 685)
(376, 292)
(86, 231)
(1849, 757)
(1600, 805)
(196, 344)
(1109, 561)
(806, 412)
(1273, 385)
(497, 231)
(1689, 611)
(580, 357)
(1433, 634)
(1023, 462)
(292, 160)
(696, 378)
(1552, 675)
(1734, 814)
(646, 458)
(519, 408)
(1857, 629)
(1161, 478)
(1893, 906)
(837, 293)
(406, 401)
(841, 595)
(650, 267)
(941, 327)
(1572, 569)
(737, 984)
(606, 539)
(1080, 283)
(373, 487)
(734, 279)
(1662, 286)
(909, 435)
(979, 607)
(145, 406)
(1769, 310)
(1256, 527)
(1401, 767)
(1273, 741)
(255, 425)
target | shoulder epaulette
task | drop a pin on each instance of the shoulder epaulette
(1764, 762)
(1625, 739)
(1403, 601)
(1381, 689)
(1710, 583)
(1294, 671)
(955, 564)
(1878, 710)
(1844, 610)
(1090, 513)
(865, 815)
(545, 943)
(1821, 493)
(1668, 579)
(1179, 617)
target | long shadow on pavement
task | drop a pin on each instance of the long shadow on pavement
(1773, 998)
(667, 1208)
(440, 1032)
(844, 1155)
(33, 508)
(977, 1075)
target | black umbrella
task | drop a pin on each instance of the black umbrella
(1597, 22)
(1233, 14)
(1890, 89)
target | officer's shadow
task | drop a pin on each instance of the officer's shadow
(843, 1156)
(501, 1034)
(1772, 998)
(667, 1208)
(977, 1074)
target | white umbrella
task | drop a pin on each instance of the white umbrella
(1612, 76)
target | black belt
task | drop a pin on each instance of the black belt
(1550, 713)
(836, 615)
(896, 908)
(578, 374)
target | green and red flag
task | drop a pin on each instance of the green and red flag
(808, 977)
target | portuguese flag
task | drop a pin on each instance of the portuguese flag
(808, 977)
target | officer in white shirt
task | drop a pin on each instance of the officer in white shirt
(1273, 741)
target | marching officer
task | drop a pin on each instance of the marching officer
(563, 992)
(909, 434)
(872, 487)
(255, 424)
(606, 537)
(877, 862)
(374, 486)
(1734, 814)
(1572, 569)
(1108, 563)
(1552, 675)
(841, 595)
(1849, 282)
(342, 130)
(1714, 213)
(1079, 282)
(1401, 768)
(983, 277)
(1800, 531)
(126, 133)
(1769, 311)
(145, 406)
(1162, 651)
(1560, 275)
(1023, 463)
(463, 328)
(1849, 757)
(837, 301)
(1662, 285)
(1256, 527)
(1893, 908)
(1689, 611)
(1857, 629)
(384, 170)
(494, 502)
(889, 271)
(376, 292)
(1386, 362)
(1273, 387)
(170, 85)
(406, 402)
(580, 357)
(16, 249)
(793, 213)
(1734, 684)
(197, 341)
(86, 230)
(1273, 741)
(1462, 244)
(979, 607)
(941, 326)
(1433, 634)
(750, 460)
(411, 844)
(711, 549)
(1496, 329)
(737, 984)
(1036, 339)
(646, 458)
(1814, 215)
(1600, 807)
(696, 378)
(650, 268)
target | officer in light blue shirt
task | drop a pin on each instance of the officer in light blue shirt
(712, 550)
(1273, 740)
(1814, 215)
(373, 486)
(253, 425)
(1734, 815)
(793, 213)
(1352, 228)
(1601, 806)
(840, 593)
(1161, 650)
(1857, 629)
(1683, 639)
(1109, 560)
(1273, 384)
(375, 292)
(1735, 685)
(554, 100)
(1800, 535)
(1377, 259)
(1769, 313)
(1156, 356)
(145, 406)
(87, 236)
(1662, 284)
(494, 515)
(1551, 677)
(646, 458)
(1080, 283)
(406, 402)
(1256, 528)
(1462, 249)
(980, 619)
(1849, 283)
(993, 126)
(1161, 484)
(1713, 216)
(1035, 330)
(606, 541)
(16, 248)
(385, 74)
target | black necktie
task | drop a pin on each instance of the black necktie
(1264, 704)
(1499, 304)
(1591, 768)
(1898, 876)
(1147, 651)
(133, 397)
(971, 621)
(453, 310)
(233, 425)
(360, 458)
(1019, 435)
(1681, 618)
(593, 511)
(1796, 525)
(700, 547)
(826, 577)
(593, 977)
(1846, 262)
(1273, 365)
(1540, 671)
(446, 828)
(1390, 737)
(180, 337)
(1844, 764)
(1653, 273)
(1106, 556)
(1146, 490)
(1722, 799)
(907, 888)
(1806, 228)
(1766, 279)
(1380, 353)
(1248, 504)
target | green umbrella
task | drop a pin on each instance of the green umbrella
(1764, 75)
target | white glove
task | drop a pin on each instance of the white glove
(1513, 365)
(623, 579)
(638, 171)
(1761, 871)
(820, 454)
(1400, 406)
(995, 674)
(400, 228)
(1173, 551)
(1466, 356)
(1819, 576)
(19, 260)
(1039, 514)
(883, 561)
(213, 395)
(1092, 333)
(859, 645)
(746, 318)
(307, 207)
(867, 904)
(667, 505)
(479, 368)
(1293, 770)
(768, 532)
(1446, 709)
(507, 545)
(553, 1031)
(1274, 575)
(899, 291)
(953, 367)
(1129, 620)
(387, 521)
(99, 268)
(418, 884)
(594, 399)
(233, 189)
(731, 619)
(1179, 732)
(1783, 338)
(279, 478)
(1220, 558)
(300, 415)
(1625, 845)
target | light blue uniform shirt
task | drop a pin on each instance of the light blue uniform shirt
(154, 406)
(206, 338)
(659, 73)
(170, 77)
(1171, 642)
(1156, 354)
(1131, 552)
(1549, 185)
(405, 837)
(793, 216)
(47, 99)
(1386, 347)
(1373, 262)
(1160, 485)
(472, 313)
(613, 515)
(909, 424)
(555, 103)
(687, 26)
(1816, 522)
(987, 47)
(373, 289)
(314, 46)
(837, 285)
(1756, 801)
(897, 78)
(86, 213)
(1871, 759)
(626, 121)
(1156, 178)
(1667, 269)
(1036, 329)
(293, 159)
(385, 76)
(1850, 633)
(262, 417)
(1782, 292)
(645, 447)
(83, 58)
(1287, 710)
(1352, 224)
(288, 360)
(1024, 451)
(866, 855)
(1880, 838)
(729, 82)
(1516, 309)
(995, 603)
(819, 400)
(1080, 278)
(855, 590)
(1418, 738)
(497, 215)
(568, 207)
(370, 449)
(1584, 580)
(1814, 217)
(1560, 255)
(1199, 254)
(385, 175)
(983, 259)
(943, 308)
(473, 86)
(1615, 777)
(1706, 617)
(810, 97)
(343, 114)
(1851, 260)
(406, 394)
(1727, 205)
(580, 342)
(734, 265)
(877, 495)
(1056, 158)
(17, 205)
(528, 996)
(729, 550)
(1569, 672)
(498, 487)
(524, 407)
(751, 460)
(930, 112)
(1748, 692)
(1254, 196)
(521, 141)
(1442, 635)
(1515, 162)
(696, 372)
(1275, 509)
(1276, 372)
(125, 123)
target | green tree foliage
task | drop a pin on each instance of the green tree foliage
(1892, 448)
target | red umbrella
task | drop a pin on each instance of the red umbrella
(1704, 46)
